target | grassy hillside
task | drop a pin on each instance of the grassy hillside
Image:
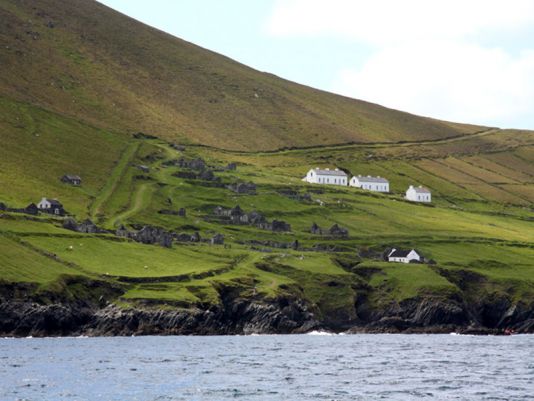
(74, 87)
(488, 233)
(82, 60)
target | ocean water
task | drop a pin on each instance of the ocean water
(303, 367)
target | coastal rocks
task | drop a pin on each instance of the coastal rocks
(28, 318)
(22, 314)
(233, 315)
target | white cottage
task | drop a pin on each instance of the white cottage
(403, 256)
(377, 184)
(418, 194)
(52, 206)
(326, 176)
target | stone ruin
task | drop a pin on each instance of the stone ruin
(181, 212)
(147, 235)
(295, 195)
(337, 231)
(217, 239)
(184, 237)
(86, 226)
(248, 188)
(334, 231)
(315, 229)
(236, 215)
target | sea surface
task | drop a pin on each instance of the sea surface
(298, 367)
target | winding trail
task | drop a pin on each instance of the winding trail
(96, 208)
(141, 200)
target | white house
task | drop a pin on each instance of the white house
(52, 206)
(378, 184)
(326, 176)
(418, 194)
(403, 256)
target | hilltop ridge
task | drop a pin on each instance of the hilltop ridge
(85, 61)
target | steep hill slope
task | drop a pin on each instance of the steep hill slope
(78, 79)
(83, 60)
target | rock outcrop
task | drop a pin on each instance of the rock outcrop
(233, 315)
(22, 314)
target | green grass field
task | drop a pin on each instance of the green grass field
(461, 230)
(95, 87)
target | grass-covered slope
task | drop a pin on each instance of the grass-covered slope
(487, 234)
(75, 86)
(85, 61)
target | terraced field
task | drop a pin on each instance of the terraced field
(480, 220)
(97, 94)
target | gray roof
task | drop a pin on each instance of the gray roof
(421, 190)
(335, 172)
(372, 179)
(400, 253)
(54, 202)
(72, 177)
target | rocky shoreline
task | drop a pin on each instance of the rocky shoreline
(238, 316)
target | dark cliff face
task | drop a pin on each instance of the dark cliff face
(239, 317)
(22, 313)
